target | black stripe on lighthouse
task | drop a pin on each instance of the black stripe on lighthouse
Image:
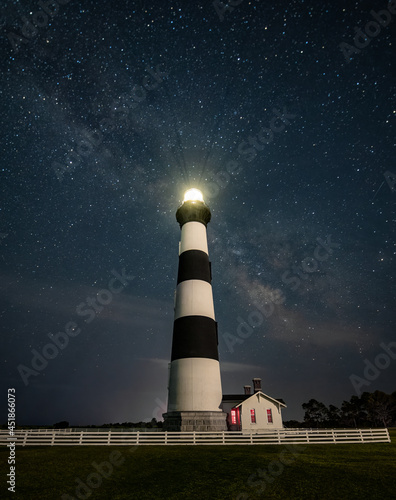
(195, 337)
(194, 265)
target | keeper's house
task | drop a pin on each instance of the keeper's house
(253, 412)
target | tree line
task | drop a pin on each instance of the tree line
(64, 424)
(153, 424)
(376, 409)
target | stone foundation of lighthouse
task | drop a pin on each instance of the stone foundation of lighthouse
(203, 421)
(194, 391)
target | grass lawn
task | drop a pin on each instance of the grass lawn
(304, 472)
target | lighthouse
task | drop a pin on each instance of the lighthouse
(194, 388)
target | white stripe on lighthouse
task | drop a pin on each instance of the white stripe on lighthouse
(193, 237)
(195, 385)
(194, 298)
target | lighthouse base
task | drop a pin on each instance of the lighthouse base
(195, 421)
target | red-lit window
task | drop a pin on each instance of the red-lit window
(253, 416)
(233, 417)
(269, 416)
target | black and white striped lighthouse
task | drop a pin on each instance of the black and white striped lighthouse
(194, 391)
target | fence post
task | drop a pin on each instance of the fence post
(361, 436)
(307, 436)
(137, 437)
(279, 437)
(53, 439)
(251, 438)
(81, 437)
(334, 436)
(25, 438)
(223, 433)
(194, 438)
(109, 437)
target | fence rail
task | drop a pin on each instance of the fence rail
(281, 436)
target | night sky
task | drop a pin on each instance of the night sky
(109, 112)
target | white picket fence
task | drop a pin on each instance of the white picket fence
(49, 437)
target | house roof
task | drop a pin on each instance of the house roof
(240, 398)
(235, 397)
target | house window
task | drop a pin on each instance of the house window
(269, 416)
(253, 416)
(233, 417)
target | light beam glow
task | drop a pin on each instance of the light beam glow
(193, 195)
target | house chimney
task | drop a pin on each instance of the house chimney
(257, 384)
(247, 389)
